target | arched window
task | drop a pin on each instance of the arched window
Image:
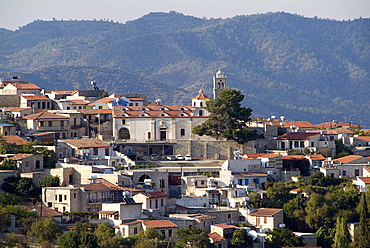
(149, 135)
(201, 104)
(124, 133)
(182, 132)
(200, 112)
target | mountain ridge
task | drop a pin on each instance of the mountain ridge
(285, 64)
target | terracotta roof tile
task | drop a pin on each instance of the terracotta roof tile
(135, 98)
(224, 226)
(63, 92)
(20, 156)
(316, 157)
(364, 138)
(216, 237)
(157, 194)
(77, 102)
(347, 159)
(25, 86)
(249, 174)
(365, 179)
(45, 211)
(159, 224)
(327, 125)
(301, 124)
(14, 139)
(266, 212)
(295, 157)
(297, 136)
(105, 99)
(261, 155)
(35, 97)
(204, 217)
(86, 143)
(45, 116)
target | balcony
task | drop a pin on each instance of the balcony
(52, 128)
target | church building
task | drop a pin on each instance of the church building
(155, 122)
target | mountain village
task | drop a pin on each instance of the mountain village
(135, 164)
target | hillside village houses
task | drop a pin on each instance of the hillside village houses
(98, 141)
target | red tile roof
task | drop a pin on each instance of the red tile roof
(316, 157)
(201, 96)
(366, 180)
(294, 157)
(20, 156)
(327, 125)
(14, 139)
(179, 207)
(204, 217)
(347, 159)
(135, 98)
(86, 143)
(25, 86)
(216, 237)
(159, 224)
(364, 138)
(45, 211)
(35, 97)
(46, 116)
(339, 131)
(299, 124)
(249, 174)
(224, 226)
(268, 212)
(261, 155)
(157, 194)
(105, 99)
(297, 136)
(77, 102)
(63, 92)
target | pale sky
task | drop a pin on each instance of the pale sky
(16, 13)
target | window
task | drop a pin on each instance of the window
(163, 232)
(169, 233)
(162, 203)
(265, 219)
(296, 143)
(302, 144)
(229, 216)
(344, 173)
(357, 173)
(74, 195)
(182, 132)
(135, 230)
(200, 112)
(37, 164)
(60, 198)
(282, 145)
(56, 197)
(100, 107)
(62, 124)
(95, 151)
(50, 123)
(149, 135)
(312, 144)
(201, 104)
(41, 124)
(106, 151)
(123, 122)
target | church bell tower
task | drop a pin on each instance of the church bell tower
(219, 83)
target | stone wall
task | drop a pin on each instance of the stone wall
(218, 149)
(9, 101)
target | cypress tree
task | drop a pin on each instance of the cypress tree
(363, 231)
(341, 239)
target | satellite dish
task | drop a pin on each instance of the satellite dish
(253, 234)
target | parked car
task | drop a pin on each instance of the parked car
(188, 158)
(179, 157)
(154, 157)
(171, 157)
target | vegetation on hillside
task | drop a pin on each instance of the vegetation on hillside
(304, 68)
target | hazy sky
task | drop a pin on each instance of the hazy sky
(15, 13)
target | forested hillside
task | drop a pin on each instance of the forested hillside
(302, 68)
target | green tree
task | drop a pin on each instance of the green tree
(341, 238)
(46, 229)
(294, 213)
(316, 179)
(241, 238)
(228, 119)
(21, 186)
(193, 237)
(70, 239)
(150, 237)
(49, 181)
(9, 199)
(8, 164)
(255, 199)
(104, 232)
(316, 211)
(280, 237)
(4, 219)
(362, 236)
